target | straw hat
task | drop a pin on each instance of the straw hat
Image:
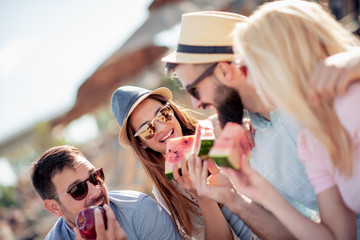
(124, 101)
(205, 37)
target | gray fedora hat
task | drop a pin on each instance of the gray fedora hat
(124, 101)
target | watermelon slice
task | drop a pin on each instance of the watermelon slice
(204, 138)
(177, 150)
(230, 146)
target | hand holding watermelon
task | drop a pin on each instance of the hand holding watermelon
(185, 180)
(179, 149)
(230, 146)
(249, 132)
(217, 186)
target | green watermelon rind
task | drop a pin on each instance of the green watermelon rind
(169, 175)
(205, 146)
(223, 160)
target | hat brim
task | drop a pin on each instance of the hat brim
(195, 58)
(123, 137)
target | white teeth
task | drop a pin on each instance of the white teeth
(167, 136)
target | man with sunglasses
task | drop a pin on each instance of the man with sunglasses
(67, 182)
(204, 64)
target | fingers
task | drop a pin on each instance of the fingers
(211, 166)
(191, 165)
(330, 86)
(245, 166)
(113, 231)
(314, 77)
(250, 139)
(186, 180)
(201, 176)
(204, 176)
(316, 80)
(252, 129)
(346, 78)
(177, 176)
(77, 234)
(343, 83)
(184, 168)
(99, 223)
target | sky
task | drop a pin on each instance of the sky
(49, 48)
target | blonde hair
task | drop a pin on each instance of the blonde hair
(154, 166)
(281, 44)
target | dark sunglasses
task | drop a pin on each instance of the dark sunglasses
(148, 130)
(191, 88)
(80, 190)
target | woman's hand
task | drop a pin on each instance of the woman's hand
(217, 186)
(250, 183)
(332, 76)
(185, 180)
(249, 132)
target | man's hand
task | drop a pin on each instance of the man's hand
(113, 231)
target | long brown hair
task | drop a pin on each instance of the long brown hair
(154, 166)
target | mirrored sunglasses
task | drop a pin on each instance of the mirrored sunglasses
(148, 130)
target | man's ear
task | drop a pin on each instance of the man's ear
(53, 206)
(224, 72)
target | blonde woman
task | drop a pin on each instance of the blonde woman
(281, 45)
(147, 120)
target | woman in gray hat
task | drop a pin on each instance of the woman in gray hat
(197, 218)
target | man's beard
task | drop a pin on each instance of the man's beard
(228, 105)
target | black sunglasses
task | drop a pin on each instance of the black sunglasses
(191, 88)
(80, 190)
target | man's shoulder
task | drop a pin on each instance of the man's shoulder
(60, 230)
(128, 195)
(130, 198)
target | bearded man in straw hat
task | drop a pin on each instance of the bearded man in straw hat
(203, 62)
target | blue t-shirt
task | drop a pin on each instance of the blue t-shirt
(139, 216)
(275, 158)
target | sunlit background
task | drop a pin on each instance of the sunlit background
(59, 63)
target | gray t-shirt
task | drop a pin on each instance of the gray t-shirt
(139, 215)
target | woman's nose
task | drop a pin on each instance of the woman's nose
(159, 125)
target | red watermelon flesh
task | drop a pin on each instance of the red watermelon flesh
(177, 150)
(204, 138)
(230, 146)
